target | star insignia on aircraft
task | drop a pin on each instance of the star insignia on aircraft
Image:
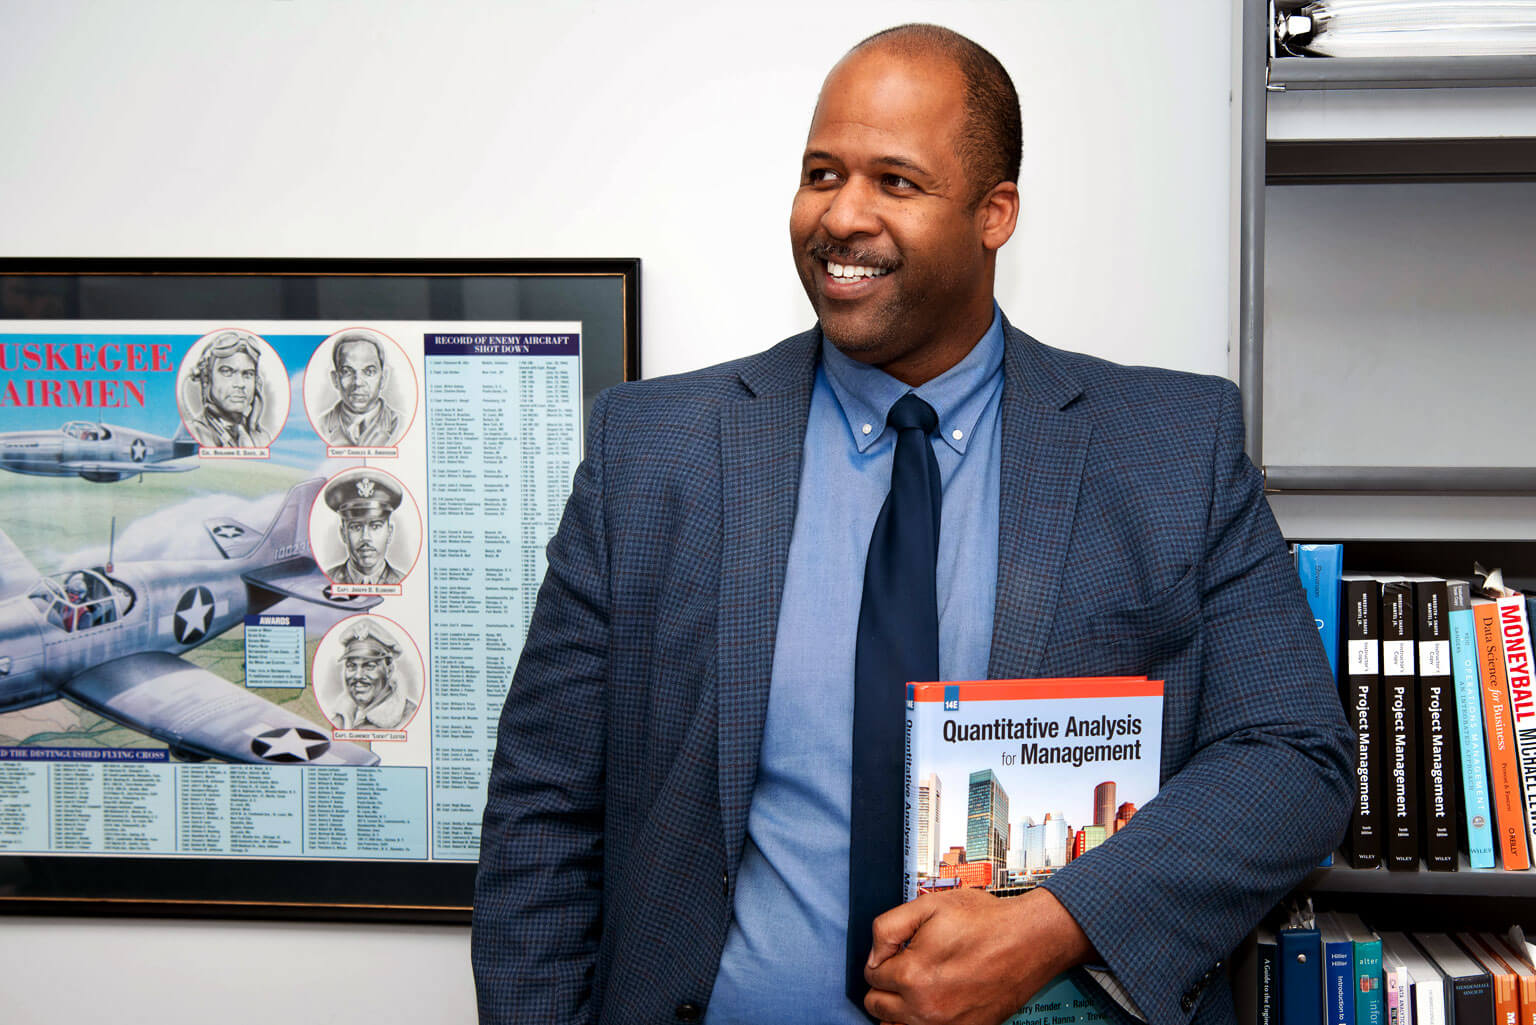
(5, 665)
(331, 595)
(228, 530)
(194, 612)
(290, 744)
(137, 449)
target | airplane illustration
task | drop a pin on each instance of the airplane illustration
(111, 637)
(99, 452)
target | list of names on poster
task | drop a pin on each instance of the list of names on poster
(503, 441)
(103, 807)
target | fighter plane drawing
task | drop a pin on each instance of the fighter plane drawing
(99, 452)
(110, 638)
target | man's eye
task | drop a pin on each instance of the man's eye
(820, 175)
(896, 181)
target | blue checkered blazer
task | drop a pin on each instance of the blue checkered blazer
(1134, 538)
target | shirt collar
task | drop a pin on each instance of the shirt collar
(866, 394)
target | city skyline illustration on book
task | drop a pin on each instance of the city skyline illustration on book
(1008, 781)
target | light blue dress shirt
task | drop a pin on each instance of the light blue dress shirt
(783, 958)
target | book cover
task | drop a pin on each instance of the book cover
(1338, 971)
(1427, 994)
(1041, 772)
(1370, 1000)
(1468, 987)
(1476, 811)
(1301, 975)
(1438, 817)
(1503, 766)
(1361, 696)
(1400, 716)
(1320, 567)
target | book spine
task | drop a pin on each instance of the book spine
(1397, 681)
(1437, 727)
(1319, 567)
(1339, 980)
(1515, 634)
(1370, 1002)
(1473, 999)
(1362, 702)
(1469, 726)
(1503, 769)
(1268, 988)
(1394, 1012)
(912, 823)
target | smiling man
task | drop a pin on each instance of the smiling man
(677, 819)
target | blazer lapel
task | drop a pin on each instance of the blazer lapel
(1044, 445)
(761, 439)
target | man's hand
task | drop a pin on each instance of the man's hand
(970, 958)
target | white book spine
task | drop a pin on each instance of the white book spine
(1515, 632)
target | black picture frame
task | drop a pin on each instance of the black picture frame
(604, 294)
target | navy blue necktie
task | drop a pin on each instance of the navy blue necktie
(898, 642)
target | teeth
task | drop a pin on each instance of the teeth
(849, 272)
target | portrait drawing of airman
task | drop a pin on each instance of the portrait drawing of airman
(367, 504)
(226, 391)
(373, 680)
(369, 400)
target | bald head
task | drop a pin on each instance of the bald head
(991, 138)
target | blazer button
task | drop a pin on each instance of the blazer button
(1187, 1002)
(689, 1012)
(725, 884)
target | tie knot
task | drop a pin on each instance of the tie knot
(911, 411)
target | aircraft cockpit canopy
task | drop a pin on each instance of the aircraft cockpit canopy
(84, 430)
(79, 599)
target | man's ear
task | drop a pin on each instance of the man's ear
(998, 214)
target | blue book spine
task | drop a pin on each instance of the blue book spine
(1339, 978)
(1469, 724)
(1319, 567)
(1301, 976)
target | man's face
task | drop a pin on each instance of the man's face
(358, 375)
(893, 257)
(366, 678)
(232, 385)
(367, 540)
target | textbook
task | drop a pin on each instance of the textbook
(1468, 987)
(1010, 780)
(1338, 971)
(1469, 726)
(1370, 1001)
(1319, 567)
(1438, 741)
(1360, 691)
(1400, 713)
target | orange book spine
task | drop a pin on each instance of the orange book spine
(1506, 1000)
(1503, 766)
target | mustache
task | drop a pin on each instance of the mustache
(858, 256)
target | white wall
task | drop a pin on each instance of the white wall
(666, 130)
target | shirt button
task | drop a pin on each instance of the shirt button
(867, 428)
(957, 434)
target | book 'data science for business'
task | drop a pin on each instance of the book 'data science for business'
(263, 585)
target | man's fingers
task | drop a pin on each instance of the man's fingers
(894, 928)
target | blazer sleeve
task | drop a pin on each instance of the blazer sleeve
(1265, 794)
(538, 892)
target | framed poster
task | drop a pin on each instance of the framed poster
(270, 535)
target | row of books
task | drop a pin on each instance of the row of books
(1435, 677)
(1336, 970)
